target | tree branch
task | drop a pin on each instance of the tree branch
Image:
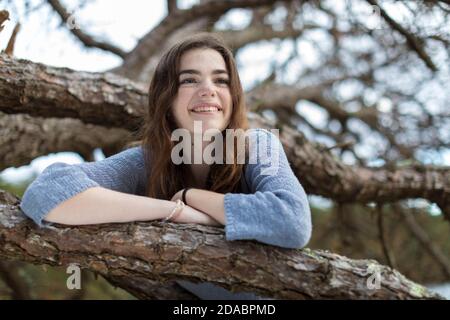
(24, 138)
(4, 16)
(420, 234)
(86, 39)
(12, 41)
(171, 6)
(149, 44)
(415, 43)
(8, 272)
(322, 173)
(237, 39)
(97, 98)
(382, 236)
(167, 252)
(147, 289)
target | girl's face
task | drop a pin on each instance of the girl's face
(203, 93)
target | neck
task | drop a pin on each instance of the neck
(198, 174)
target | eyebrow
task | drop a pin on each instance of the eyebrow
(193, 71)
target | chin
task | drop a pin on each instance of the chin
(206, 125)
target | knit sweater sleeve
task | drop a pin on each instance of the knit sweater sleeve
(276, 211)
(123, 172)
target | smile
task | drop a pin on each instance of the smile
(206, 108)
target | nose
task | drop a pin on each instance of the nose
(206, 90)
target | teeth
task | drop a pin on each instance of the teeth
(205, 109)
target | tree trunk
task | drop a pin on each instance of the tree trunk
(162, 253)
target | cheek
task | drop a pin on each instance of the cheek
(229, 102)
(180, 103)
(183, 98)
(175, 112)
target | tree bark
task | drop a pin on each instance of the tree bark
(98, 98)
(24, 138)
(163, 253)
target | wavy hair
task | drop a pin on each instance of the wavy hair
(163, 176)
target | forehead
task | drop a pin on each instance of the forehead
(202, 59)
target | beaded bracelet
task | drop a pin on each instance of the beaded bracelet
(176, 211)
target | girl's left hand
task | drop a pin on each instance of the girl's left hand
(177, 195)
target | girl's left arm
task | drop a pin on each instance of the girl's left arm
(276, 211)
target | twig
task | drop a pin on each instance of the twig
(414, 42)
(86, 39)
(381, 233)
(420, 234)
(10, 47)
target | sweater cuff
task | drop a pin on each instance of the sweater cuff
(230, 228)
(37, 206)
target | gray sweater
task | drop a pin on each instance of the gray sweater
(272, 208)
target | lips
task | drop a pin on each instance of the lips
(206, 108)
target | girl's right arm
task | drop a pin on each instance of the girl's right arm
(99, 205)
(105, 191)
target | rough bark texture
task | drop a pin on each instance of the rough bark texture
(97, 98)
(24, 138)
(166, 252)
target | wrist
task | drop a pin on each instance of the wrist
(177, 208)
(184, 195)
(166, 209)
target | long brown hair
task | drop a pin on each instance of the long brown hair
(163, 176)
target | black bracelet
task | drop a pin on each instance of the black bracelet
(183, 195)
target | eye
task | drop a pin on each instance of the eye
(188, 80)
(223, 81)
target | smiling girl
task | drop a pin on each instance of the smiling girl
(195, 82)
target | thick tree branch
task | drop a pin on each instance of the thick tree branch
(24, 138)
(146, 67)
(149, 44)
(86, 39)
(167, 252)
(97, 98)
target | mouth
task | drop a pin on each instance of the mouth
(206, 108)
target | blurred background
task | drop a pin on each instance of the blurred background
(368, 79)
